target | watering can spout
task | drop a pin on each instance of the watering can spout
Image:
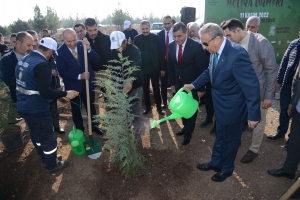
(173, 116)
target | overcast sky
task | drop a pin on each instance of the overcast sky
(12, 10)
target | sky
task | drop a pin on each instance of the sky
(23, 10)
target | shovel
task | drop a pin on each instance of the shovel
(92, 146)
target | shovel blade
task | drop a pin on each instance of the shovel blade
(93, 148)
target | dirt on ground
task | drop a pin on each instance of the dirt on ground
(170, 170)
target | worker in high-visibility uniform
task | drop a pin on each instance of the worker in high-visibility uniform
(33, 79)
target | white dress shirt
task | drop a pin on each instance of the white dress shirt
(177, 48)
(170, 35)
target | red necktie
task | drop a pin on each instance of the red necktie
(167, 43)
(179, 55)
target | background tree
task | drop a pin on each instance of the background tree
(119, 16)
(107, 20)
(39, 21)
(137, 20)
(69, 22)
(52, 20)
(4, 30)
(176, 18)
(19, 25)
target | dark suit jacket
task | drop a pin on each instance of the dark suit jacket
(235, 87)
(162, 36)
(155, 50)
(192, 63)
(69, 68)
(101, 45)
(7, 67)
(295, 90)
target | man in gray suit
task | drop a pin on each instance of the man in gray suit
(263, 59)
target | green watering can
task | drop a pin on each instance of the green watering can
(76, 139)
(183, 105)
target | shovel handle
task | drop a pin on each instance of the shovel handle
(87, 90)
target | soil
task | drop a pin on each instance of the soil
(170, 171)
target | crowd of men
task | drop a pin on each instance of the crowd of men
(230, 67)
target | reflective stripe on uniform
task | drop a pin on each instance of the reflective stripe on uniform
(50, 152)
(27, 92)
(39, 144)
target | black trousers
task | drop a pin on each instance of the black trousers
(208, 103)
(293, 156)
(154, 77)
(189, 124)
(76, 105)
(164, 86)
(54, 113)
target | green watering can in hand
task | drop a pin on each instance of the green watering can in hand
(183, 105)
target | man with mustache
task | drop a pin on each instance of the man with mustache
(152, 64)
(99, 42)
(24, 44)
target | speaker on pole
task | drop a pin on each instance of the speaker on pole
(188, 14)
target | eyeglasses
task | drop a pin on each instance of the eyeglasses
(207, 43)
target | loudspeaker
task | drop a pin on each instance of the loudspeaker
(188, 14)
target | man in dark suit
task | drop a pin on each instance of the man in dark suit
(165, 37)
(292, 159)
(235, 93)
(70, 65)
(152, 64)
(185, 63)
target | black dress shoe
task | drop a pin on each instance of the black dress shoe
(181, 132)
(275, 136)
(280, 173)
(97, 130)
(205, 123)
(186, 139)
(59, 130)
(160, 111)
(146, 111)
(207, 167)
(220, 176)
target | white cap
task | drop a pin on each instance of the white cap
(49, 43)
(126, 24)
(116, 39)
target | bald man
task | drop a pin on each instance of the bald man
(70, 65)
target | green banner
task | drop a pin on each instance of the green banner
(280, 21)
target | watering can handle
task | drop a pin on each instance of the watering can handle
(182, 90)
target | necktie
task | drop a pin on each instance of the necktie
(167, 43)
(179, 55)
(216, 59)
(74, 53)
